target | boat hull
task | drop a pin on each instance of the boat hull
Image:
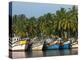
(65, 46)
(57, 46)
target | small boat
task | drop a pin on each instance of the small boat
(20, 44)
(55, 45)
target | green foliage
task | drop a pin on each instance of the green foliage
(62, 21)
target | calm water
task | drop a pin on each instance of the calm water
(22, 54)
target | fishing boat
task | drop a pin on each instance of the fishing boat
(20, 44)
(56, 45)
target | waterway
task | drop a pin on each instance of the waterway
(25, 54)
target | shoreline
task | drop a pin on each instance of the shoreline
(35, 50)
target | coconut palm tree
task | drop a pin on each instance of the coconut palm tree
(66, 21)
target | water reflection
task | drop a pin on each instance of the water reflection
(24, 54)
(28, 54)
(57, 52)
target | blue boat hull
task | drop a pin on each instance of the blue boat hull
(58, 46)
(55, 46)
(65, 46)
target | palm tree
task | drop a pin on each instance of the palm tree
(60, 19)
(73, 13)
(66, 21)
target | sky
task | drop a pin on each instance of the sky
(36, 9)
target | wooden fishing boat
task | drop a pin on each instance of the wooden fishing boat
(56, 45)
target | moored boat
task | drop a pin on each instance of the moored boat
(65, 45)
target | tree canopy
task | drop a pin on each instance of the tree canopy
(62, 21)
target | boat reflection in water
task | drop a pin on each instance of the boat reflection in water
(26, 54)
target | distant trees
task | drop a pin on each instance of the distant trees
(65, 22)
